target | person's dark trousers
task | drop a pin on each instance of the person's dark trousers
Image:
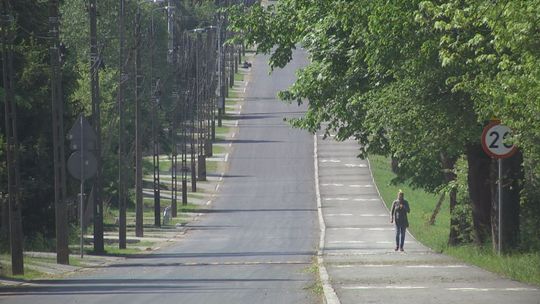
(400, 236)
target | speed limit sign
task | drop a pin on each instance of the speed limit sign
(494, 140)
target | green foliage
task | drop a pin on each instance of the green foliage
(33, 96)
(463, 210)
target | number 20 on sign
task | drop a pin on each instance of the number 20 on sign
(494, 140)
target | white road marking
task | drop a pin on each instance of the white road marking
(336, 199)
(330, 161)
(366, 199)
(226, 157)
(491, 289)
(236, 123)
(233, 135)
(346, 242)
(356, 165)
(217, 187)
(208, 203)
(362, 228)
(384, 287)
(373, 215)
(360, 186)
(334, 185)
(366, 265)
(340, 214)
(436, 266)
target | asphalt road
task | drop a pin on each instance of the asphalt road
(256, 243)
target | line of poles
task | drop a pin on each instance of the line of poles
(204, 67)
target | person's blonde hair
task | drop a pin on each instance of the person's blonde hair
(400, 192)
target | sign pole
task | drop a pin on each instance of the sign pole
(493, 143)
(500, 206)
(82, 188)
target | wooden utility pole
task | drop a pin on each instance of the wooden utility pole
(60, 206)
(95, 63)
(138, 145)
(155, 94)
(121, 134)
(192, 105)
(12, 148)
(201, 159)
(185, 116)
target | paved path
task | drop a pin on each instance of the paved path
(359, 247)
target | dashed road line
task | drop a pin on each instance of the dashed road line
(356, 165)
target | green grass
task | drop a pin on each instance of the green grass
(232, 95)
(222, 130)
(211, 166)
(316, 287)
(523, 267)
(239, 77)
(218, 149)
(29, 272)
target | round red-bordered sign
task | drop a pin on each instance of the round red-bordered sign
(493, 140)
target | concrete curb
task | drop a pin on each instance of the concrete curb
(330, 296)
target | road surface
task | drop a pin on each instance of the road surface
(254, 246)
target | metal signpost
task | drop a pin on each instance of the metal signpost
(82, 164)
(494, 144)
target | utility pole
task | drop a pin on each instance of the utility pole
(193, 113)
(122, 239)
(95, 62)
(184, 60)
(155, 92)
(60, 206)
(138, 144)
(211, 90)
(176, 100)
(12, 147)
(201, 160)
(220, 72)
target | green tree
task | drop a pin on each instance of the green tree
(378, 72)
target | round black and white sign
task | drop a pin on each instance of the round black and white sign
(494, 140)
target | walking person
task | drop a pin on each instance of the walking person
(400, 208)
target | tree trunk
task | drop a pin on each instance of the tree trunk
(448, 164)
(437, 209)
(453, 238)
(479, 185)
(4, 229)
(394, 164)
